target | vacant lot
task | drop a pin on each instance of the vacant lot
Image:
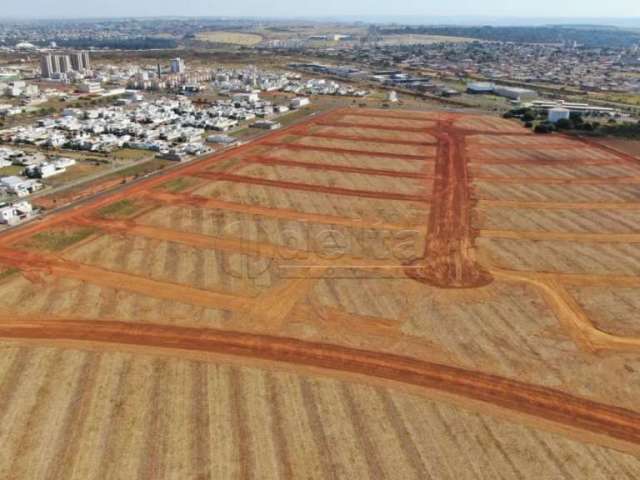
(368, 294)
(235, 38)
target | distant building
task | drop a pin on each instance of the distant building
(577, 108)
(86, 60)
(557, 114)
(53, 65)
(64, 62)
(514, 93)
(15, 213)
(177, 65)
(46, 66)
(267, 125)
(90, 87)
(299, 102)
(481, 87)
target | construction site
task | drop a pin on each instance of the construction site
(365, 294)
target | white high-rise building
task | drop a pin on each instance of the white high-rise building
(64, 62)
(177, 65)
(46, 66)
(51, 65)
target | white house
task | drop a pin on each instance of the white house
(299, 102)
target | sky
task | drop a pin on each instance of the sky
(394, 9)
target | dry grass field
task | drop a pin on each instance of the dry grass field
(235, 38)
(367, 294)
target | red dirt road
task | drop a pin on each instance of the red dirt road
(449, 258)
(548, 404)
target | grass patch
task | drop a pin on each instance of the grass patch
(8, 272)
(121, 209)
(145, 168)
(177, 185)
(234, 38)
(11, 170)
(131, 154)
(56, 240)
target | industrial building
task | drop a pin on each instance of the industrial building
(557, 114)
(579, 108)
(478, 88)
(515, 93)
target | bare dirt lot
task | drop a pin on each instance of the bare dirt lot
(367, 294)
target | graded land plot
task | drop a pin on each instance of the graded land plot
(388, 123)
(399, 317)
(533, 141)
(175, 263)
(489, 124)
(410, 316)
(82, 414)
(356, 160)
(559, 171)
(599, 221)
(374, 134)
(560, 155)
(354, 181)
(66, 297)
(587, 258)
(495, 190)
(612, 310)
(401, 114)
(367, 241)
(369, 146)
(371, 209)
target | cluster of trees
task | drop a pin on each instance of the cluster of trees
(589, 36)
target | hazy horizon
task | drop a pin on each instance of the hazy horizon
(423, 11)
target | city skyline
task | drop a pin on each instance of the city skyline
(499, 9)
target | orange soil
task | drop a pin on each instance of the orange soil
(449, 257)
(546, 403)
